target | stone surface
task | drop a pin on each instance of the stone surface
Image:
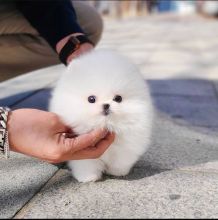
(174, 179)
(20, 88)
(169, 194)
(182, 87)
(20, 179)
(177, 177)
(194, 110)
(39, 100)
(175, 144)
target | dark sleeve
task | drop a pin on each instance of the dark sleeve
(53, 19)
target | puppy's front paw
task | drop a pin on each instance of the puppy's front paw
(88, 178)
(118, 171)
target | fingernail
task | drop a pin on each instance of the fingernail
(69, 135)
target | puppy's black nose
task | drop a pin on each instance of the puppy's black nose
(106, 106)
(106, 109)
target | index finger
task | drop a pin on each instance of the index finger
(94, 152)
(86, 140)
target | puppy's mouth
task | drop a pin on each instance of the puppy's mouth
(106, 112)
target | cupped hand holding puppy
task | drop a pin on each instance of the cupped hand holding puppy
(43, 135)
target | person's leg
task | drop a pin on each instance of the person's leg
(21, 53)
(23, 50)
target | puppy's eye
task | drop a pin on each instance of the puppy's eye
(92, 99)
(117, 98)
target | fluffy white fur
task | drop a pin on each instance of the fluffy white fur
(104, 74)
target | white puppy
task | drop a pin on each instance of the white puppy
(103, 89)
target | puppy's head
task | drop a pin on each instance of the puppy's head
(100, 89)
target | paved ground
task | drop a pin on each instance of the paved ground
(178, 176)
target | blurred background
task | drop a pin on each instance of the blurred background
(166, 38)
(175, 45)
(145, 7)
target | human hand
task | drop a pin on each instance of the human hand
(86, 47)
(42, 135)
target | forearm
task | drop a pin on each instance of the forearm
(54, 20)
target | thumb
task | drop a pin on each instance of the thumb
(85, 140)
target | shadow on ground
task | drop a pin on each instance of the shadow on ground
(187, 101)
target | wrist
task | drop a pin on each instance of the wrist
(4, 144)
(63, 41)
(73, 46)
(84, 48)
